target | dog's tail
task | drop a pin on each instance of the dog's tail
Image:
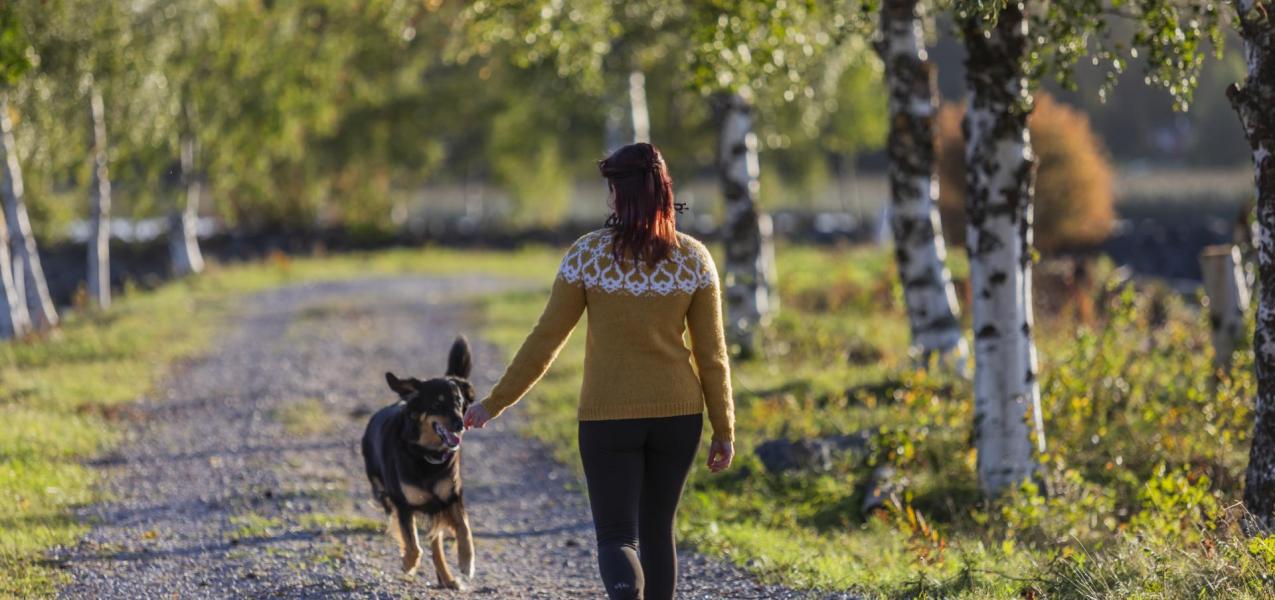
(459, 361)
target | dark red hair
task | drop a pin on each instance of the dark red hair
(642, 198)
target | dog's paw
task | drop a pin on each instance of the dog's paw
(467, 567)
(411, 560)
(450, 585)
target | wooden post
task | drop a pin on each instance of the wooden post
(1228, 299)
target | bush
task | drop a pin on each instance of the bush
(1073, 205)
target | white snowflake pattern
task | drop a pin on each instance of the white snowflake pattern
(590, 263)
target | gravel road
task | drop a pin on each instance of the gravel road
(241, 477)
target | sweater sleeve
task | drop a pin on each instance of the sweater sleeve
(566, 304)
(708, 345)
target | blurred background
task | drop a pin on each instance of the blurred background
(326, 124)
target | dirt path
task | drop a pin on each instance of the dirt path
(241, 476)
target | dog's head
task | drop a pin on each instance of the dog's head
(435, 408)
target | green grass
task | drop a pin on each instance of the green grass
(304, 417)
(63, 398)
(1147, 447)
(1146, 511)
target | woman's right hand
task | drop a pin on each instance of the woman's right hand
(720, 455)
(476, 416)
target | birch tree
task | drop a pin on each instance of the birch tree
(99, 242)
(44, 314)
(748, 276)
(1254, 102)
(183, 243)
(1003, 65)
(1008, 424)
(15, 321)
(628, 121)
(14, 318)
(743, 55)
(919, 250)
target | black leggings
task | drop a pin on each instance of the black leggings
(635, 470)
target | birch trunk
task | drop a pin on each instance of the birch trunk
(629, 121)
(99, 243)
(43, 312)
(1253, 101)
(933, 312)
(749, 274)
(183, 243)
(1228, 299)
(999, 181)
(14, 319)
(638, 113)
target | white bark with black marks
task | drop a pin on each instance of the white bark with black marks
(999, 186)
(14, 319)
(1223, 273)
(933, 312)
(40, 303)
(1254, 102)
(99, 243)
(183, 243)
(749, 273)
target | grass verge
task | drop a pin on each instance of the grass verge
(1147, 445)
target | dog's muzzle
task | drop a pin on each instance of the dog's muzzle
(451, 440)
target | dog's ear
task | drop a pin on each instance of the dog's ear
(466, 390)
(460, 361)
(399, 386)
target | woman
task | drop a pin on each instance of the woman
(644, 285)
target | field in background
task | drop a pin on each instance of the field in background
(64, 399)
(1139, 191)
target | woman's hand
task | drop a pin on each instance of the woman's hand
(720, 455)
(476, 416)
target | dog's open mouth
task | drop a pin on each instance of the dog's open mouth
(450, 440)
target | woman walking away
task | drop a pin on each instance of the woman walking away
(642, 402)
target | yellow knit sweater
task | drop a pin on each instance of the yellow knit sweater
(636, 364)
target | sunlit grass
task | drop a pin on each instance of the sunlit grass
(1140, 382)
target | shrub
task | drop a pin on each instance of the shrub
(1073, 205)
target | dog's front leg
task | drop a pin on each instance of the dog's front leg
(409, 542)
(464, 539)
(445, 578)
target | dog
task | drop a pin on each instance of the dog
(412, 453)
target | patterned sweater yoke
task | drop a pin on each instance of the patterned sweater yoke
(638, 363)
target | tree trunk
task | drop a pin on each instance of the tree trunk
(640, 117)
(99, 243)
(749, 274)
(183, 243)
(1228, 299)
(44, 314)
(1253, 101)
(933, 312)
(14, 319)
(628, 122)
(999, 181)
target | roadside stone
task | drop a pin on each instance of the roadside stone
(811, 454)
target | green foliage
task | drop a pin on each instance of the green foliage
(13, 45)
(1169, 35)
(1146, 447)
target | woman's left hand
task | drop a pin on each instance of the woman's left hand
(476, 416)
(720, 455)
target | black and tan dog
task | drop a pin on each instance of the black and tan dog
(412, 453)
